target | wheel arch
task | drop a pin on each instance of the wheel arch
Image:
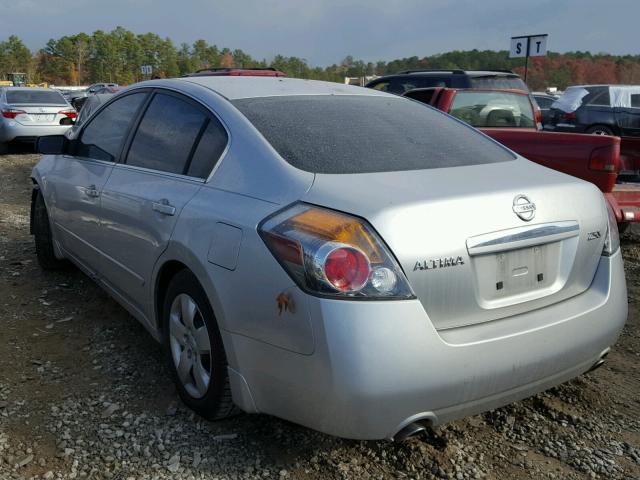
(165, 273)
(167, 267)
(611, 126)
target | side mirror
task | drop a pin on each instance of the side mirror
(52, 145)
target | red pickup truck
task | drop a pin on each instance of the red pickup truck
(511, 118)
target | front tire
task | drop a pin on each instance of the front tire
(195, 350)
(43, 238)
(600, 130)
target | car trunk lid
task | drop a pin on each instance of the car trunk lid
(471, 245)
(39, 114)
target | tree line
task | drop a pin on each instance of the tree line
(117, 56)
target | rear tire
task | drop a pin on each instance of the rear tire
(4, 148)
(195, 350)
(600, 130)
(43, 238)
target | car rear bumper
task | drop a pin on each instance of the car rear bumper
(377, 366)
(10, 131)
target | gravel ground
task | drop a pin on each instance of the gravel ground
(84, 393)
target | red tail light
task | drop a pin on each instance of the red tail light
(538, 117)
(12, 113)
(69, 113)
(333, 254)
(605, 159)
(346, 268)
(569, 116)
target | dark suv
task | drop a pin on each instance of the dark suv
(402, 82)
(597, 109)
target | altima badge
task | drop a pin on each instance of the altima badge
(524, 208)
(438, 263)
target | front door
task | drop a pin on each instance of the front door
(77, 181)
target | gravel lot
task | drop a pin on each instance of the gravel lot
(84, 393)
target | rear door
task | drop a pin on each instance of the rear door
(76, 182)
(173, 150)
(628, 117)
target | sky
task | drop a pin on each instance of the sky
(325, 31)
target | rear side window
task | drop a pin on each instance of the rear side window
(361, 134)
(635, 100)
(511, 82)
(209, 149)
(35, 97)
(597, 96)
(544, 102)
(493, 109)
(103, 137)
(166, 135)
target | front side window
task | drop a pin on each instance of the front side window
(366, 133)
(103, 137)
(493, 109)
(167, 134)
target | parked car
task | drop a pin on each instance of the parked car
(402, 82)
(512, 118)
(80, 102)
(28, 113)
(544, 102)
(72, 96)
(342, 258)
(598, 109)
(93, 88)
(238, 72)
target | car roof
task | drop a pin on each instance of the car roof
(234, 88)
(470, 73)
(610, 85)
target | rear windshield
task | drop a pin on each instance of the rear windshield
(511, 82)
(36, 97)
(493, 109)
(361, 134)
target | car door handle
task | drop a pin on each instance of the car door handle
(164, 207)
(91, 191)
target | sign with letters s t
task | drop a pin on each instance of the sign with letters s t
(528, 46)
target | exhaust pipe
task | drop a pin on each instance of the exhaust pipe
(409, 431)
(598, 364)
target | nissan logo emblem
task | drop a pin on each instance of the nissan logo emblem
(524, 208)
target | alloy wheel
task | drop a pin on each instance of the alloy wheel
(190, 346)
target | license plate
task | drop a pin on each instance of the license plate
(511, 274)
(521, 270)
(43, 117)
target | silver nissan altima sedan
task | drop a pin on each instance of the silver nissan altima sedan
(335, 256)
